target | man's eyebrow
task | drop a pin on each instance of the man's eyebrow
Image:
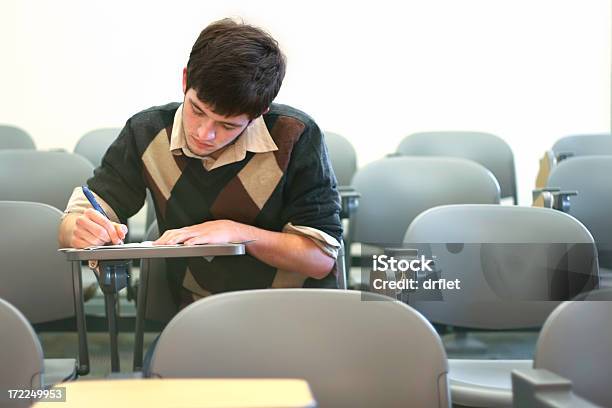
(220, 121)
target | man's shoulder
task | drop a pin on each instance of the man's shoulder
(298, 126)
(279, 110)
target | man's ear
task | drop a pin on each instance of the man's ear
(184, 80)
(266, 111)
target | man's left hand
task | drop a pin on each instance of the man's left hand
(210, 232)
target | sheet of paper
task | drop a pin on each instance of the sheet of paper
(144, 244)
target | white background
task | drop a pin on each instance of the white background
(530, 71)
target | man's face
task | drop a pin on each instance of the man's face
(205, 131)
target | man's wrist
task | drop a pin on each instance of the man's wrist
(245, 232)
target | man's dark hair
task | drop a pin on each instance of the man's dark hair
(235, 68)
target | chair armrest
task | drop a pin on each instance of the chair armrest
(540, 388)
(350, 201)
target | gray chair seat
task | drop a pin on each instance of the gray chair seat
(58, 370)
(483, 383)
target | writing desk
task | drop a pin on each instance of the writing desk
(186, 393)
(113, 277)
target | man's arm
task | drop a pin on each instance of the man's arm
(119, 180)
(285, 251)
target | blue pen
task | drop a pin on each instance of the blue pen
(92, 200)
(94, 203)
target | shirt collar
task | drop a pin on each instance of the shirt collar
(255, 138)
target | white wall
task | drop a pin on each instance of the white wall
(529, 71)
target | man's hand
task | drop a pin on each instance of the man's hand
(211, 232)
(92, 228)
(288, 252)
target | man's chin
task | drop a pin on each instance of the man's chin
(201, 151)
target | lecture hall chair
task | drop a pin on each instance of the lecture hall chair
(572, 366)
(41, 176)
(514, 264)
(583, 145)
(92, 145)
(343, 157)
(569, 147)
(12, 137)
(395, 190)
(590, 177)
(353, 349)
(35, 277)
(21, 356)
(489, 150)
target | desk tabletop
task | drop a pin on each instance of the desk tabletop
(185, 393)
(128, 252)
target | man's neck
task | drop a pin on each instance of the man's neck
(215, 155)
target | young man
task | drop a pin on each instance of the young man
(226, 165)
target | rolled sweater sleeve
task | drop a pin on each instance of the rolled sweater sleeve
(311, 194)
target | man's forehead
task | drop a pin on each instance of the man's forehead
(192, 96)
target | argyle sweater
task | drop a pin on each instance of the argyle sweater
(294, 184)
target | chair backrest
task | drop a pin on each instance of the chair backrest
(489, 150)
(39, 176)
(343, 157)
(12, 137)
(584, 145)
(514, 263)
(395, 190)
(21, 354)
(575, 343)
(599, 294)
(93, 145)
(590, 177)
(35, 277)
(353, 351)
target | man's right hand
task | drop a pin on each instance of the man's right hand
(92, 228)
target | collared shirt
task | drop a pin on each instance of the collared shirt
(255, 138)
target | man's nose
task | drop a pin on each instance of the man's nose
(206, 130)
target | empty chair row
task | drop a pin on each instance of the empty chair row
(354, 350)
